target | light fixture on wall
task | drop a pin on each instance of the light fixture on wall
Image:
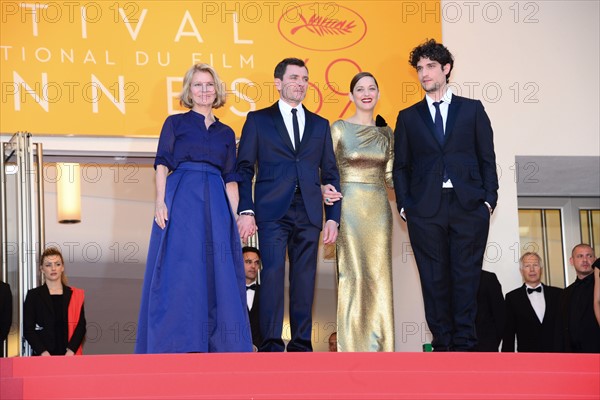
(68, 193)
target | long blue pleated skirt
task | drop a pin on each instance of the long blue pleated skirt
(194, 296)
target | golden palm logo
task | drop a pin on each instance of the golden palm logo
(322, 26)
(325, 26)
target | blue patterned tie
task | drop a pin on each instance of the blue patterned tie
(439, 129)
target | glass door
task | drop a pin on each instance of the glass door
(21, 198)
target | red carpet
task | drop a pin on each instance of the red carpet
(304, 376)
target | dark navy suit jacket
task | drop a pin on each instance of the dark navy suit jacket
(266, 144)
(467, 154)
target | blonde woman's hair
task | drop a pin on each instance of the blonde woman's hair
(185, 98)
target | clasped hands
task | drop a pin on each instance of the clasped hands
(330, 194)
(246, 226)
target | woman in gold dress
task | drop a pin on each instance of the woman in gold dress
(364, 152)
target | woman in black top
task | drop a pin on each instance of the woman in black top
(53, 315)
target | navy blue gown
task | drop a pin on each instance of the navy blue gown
(194, 296)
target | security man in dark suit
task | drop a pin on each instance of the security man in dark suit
(252, 268)
(491, 313)
(578, 330)
(531, 310)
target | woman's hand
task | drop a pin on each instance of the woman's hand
(330, 194)
(160, 208)
(160, 214)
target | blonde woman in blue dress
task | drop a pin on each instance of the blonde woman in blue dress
(364, 153)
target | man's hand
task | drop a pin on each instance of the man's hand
(330, 232)
(246, 226)
(330, 194)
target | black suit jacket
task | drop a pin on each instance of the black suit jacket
(491, 313)
(253, 317)
(38, 311)
(467, 154)
(265, 146)
(5, 314)
(522, 322)
(577, 328)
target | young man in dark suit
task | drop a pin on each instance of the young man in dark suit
(291, 151)
(531, 310)
(446, 189)
(251, 268)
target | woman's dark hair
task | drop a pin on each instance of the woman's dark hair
(250, 249)
(434, 51)
(358, 77)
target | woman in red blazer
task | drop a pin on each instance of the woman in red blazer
(53, 315)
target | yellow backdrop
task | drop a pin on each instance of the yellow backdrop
(115, 68)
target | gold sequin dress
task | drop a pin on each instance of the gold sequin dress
(365, 311)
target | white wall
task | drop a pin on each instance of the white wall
(558, 56)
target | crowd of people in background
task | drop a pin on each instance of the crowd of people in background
(204, 292)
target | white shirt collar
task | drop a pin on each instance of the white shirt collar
(446, 98)
(285, 108)
(534, 287)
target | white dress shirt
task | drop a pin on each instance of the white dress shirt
(250, 295)
(538, 301)
(286, 113)
(444, 106)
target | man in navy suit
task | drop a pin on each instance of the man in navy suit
(291, 151)
(531, 310)
(446, 189)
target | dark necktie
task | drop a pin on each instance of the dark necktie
(296, 127)
(251, 287)
(439, 129)
(537, 289)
